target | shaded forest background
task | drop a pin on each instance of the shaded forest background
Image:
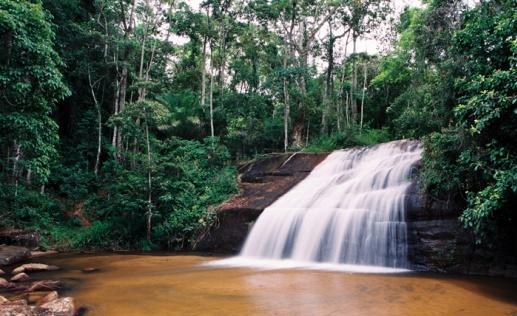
(116, 135)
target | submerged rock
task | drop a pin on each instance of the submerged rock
(90, 270)
(13, 254)
(44, 285)
(34, 267)
(51, 296)
(20, 277)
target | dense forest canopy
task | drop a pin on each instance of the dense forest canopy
(122, 121)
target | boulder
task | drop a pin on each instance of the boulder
(20, 277)
(34, 267)
(61, 306)
(13, 254)
(6, 284)
(15, 308)
(43, 285)
(3, 300)
(51, 296)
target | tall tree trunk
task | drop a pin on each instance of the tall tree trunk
(362, 99)
(114, 139)
(203, 74)
(99, 125)
(344, 93)
(211, 93)
(327, 97)
(286, 106)
(353, 87)
(149, 183)
(298, 140)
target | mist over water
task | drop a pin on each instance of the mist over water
(349, 211)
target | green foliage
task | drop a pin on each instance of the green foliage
(189, 178)
(27, 208)
(30, 87)
(480, 157)
(349, 138)
(440, 175)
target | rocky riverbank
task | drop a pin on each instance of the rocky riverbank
(21, 295)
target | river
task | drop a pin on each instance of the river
(164, 284)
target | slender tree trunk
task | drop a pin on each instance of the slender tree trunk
(28, 178)
(211, 94)
(149, 183)
(122, 104)
(344, 93)
(99, 125)
(327, 98)
(362, 99)
(114, 139)
(353, 87)
(203, 75)
(286, 106)
(17, 154)
(347, 109)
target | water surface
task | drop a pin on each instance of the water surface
(129, 284)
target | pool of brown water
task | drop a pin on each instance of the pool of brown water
(129, 284)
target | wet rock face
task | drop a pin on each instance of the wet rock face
(261, 182)
(437, 240)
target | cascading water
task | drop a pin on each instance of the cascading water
(349, 211)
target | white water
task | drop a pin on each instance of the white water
(348, 214)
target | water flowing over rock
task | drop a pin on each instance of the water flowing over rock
(350, 209)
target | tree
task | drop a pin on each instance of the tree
(30, 86)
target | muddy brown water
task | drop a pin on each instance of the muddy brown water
(158, 284)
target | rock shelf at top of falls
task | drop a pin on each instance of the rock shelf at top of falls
(348, 211)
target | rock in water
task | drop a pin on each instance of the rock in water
(15, 308)
(2, 272)
(13, 254)
(61, 306)
(44, 285)
(5, 284)
(52, 296)
(3, 300)
(34, 267)
(20, 277)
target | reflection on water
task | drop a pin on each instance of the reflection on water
(182, 285)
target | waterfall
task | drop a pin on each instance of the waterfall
(349, 211)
